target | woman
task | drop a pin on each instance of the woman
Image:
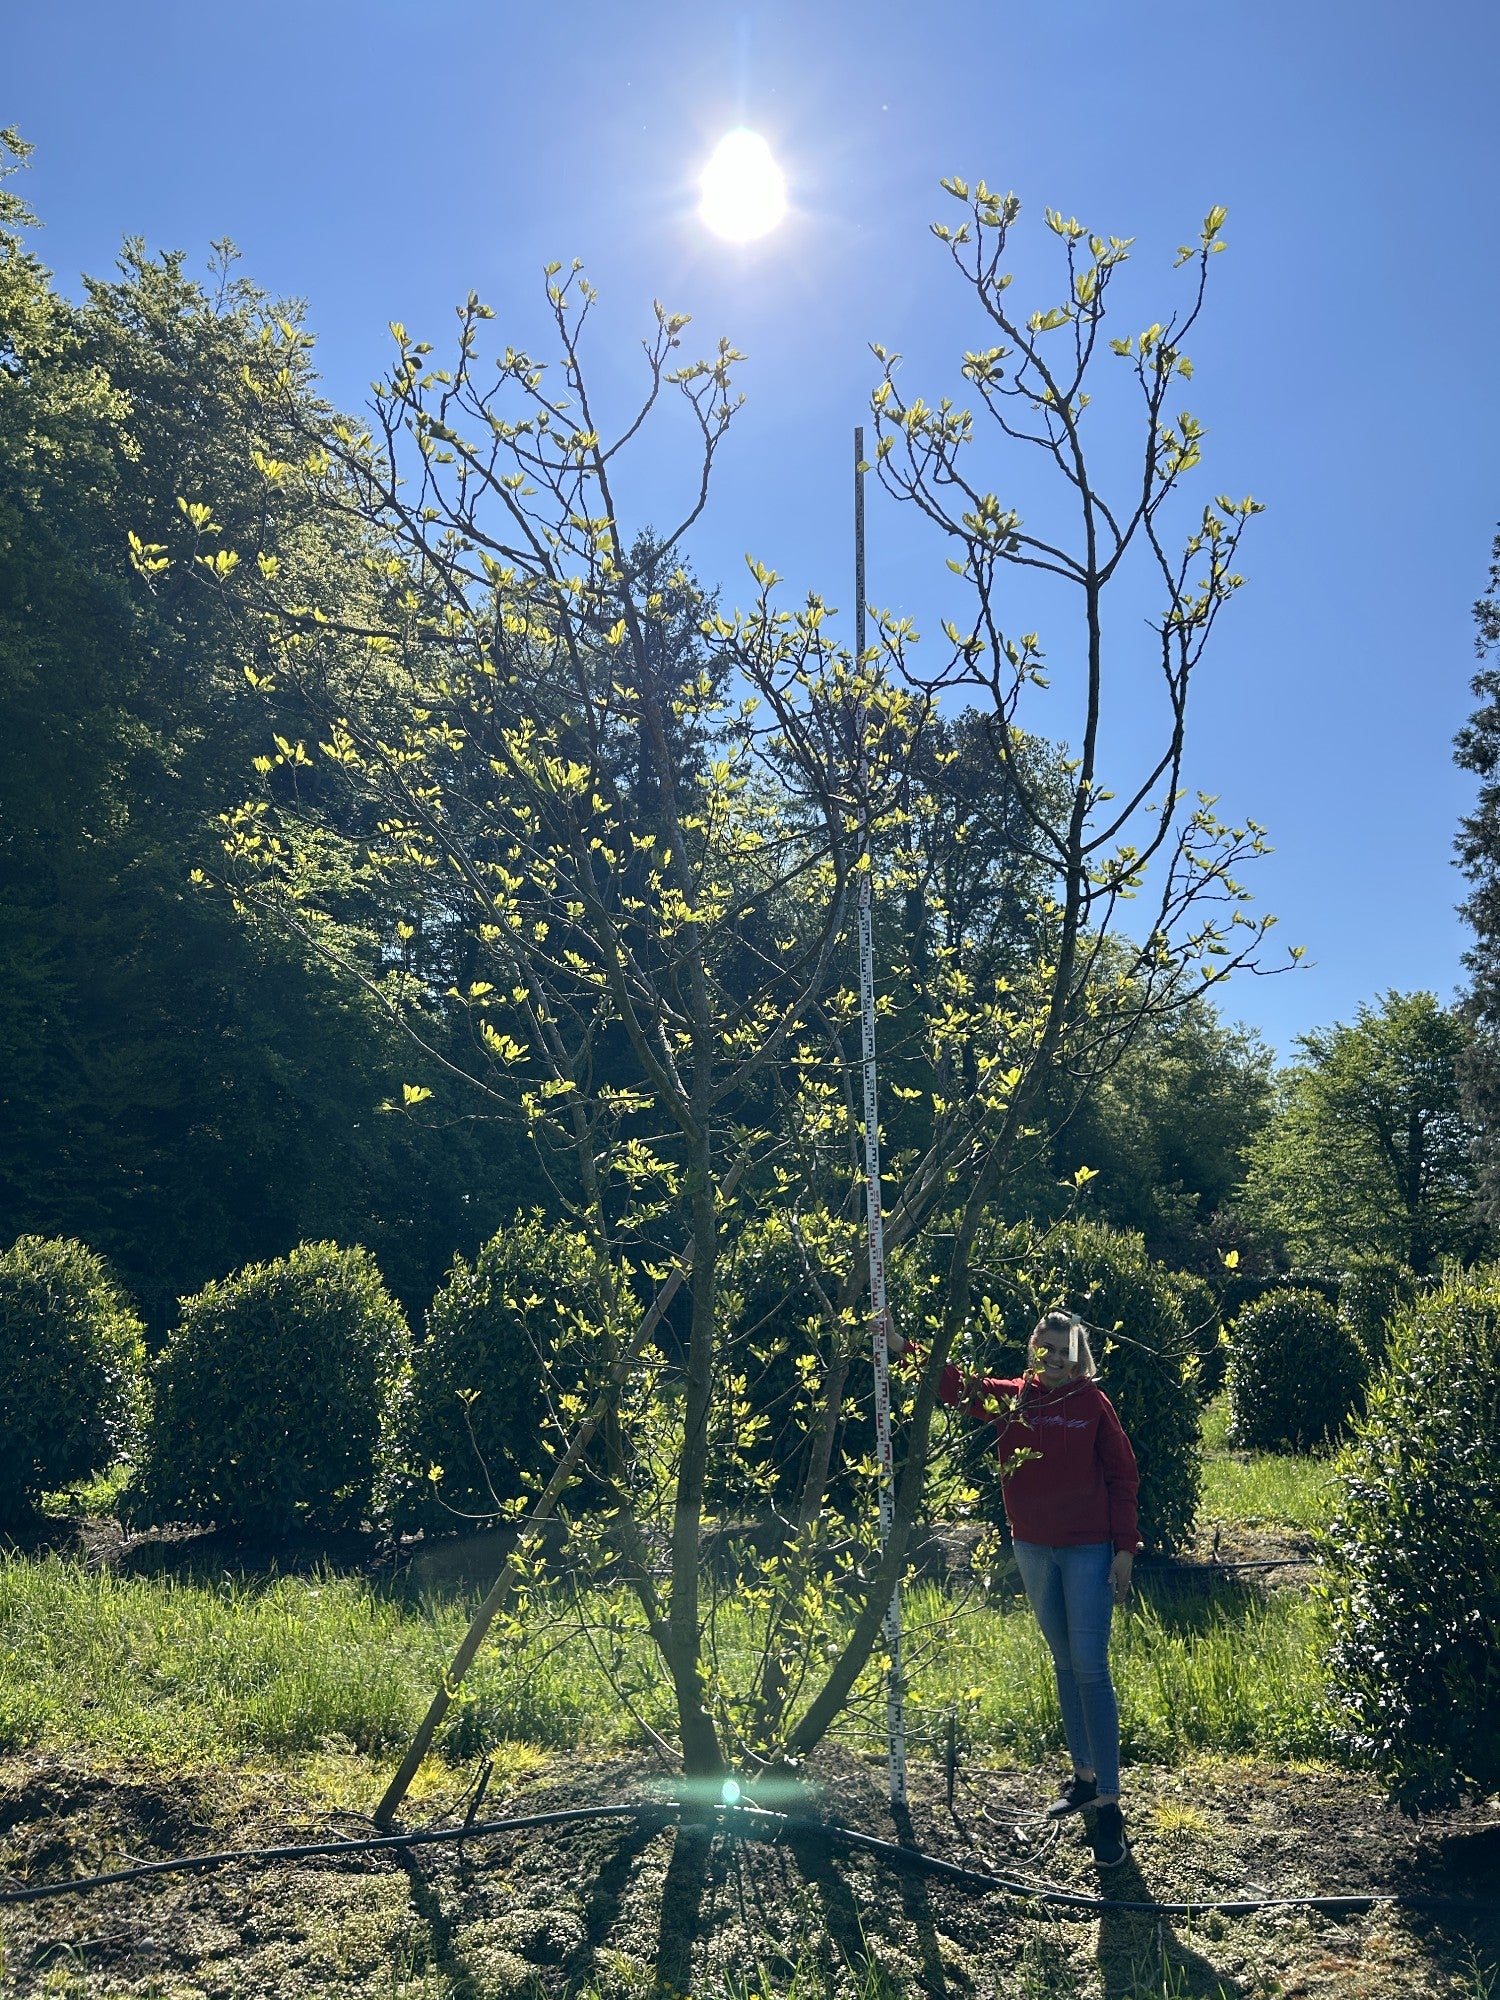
(1069, 1480)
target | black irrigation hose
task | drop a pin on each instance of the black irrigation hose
(366, 1844)
(759, 1818)
(1212, 1563)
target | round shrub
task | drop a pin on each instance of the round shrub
(1140, 1340)
(72, 1367)
(269, 1397)
(1205, 1331)
(1413, 1557)
(1295, 1373)
(475, 1403)
(781, 1347)
(1371, 1293)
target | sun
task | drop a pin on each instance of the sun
(744, 191)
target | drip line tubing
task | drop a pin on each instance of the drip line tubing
(756, 1820)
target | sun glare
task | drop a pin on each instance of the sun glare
(744, 191)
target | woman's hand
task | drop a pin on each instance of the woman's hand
(1119, 1576)
(895, 1346)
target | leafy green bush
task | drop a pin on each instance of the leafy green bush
(1371, 1293)
(269, 1397)
(1295, 1373)
(1414, 1559)
(72, 1366)
(1205, 1331)
(475, 1403)
(1140, 1340)
(783, 1347)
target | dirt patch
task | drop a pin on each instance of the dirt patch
(631, 1909)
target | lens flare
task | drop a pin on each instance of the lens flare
(743, 189)
(731, 1792)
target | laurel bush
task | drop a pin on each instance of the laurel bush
(1371, 1293)
(1413, 1559)
(1140, 1339)
(788, 1340)
(1296, 1374)
(1205, 1331)
(270, 1395)
(72, 1368)
(468, 1429)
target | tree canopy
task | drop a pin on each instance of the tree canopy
(1369, 1150)
(1477, 749)
(651, 849)
(182, 1091)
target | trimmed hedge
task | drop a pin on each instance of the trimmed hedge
(1296, 1374)
(781, 1345)
(1371, 1294)
(1414, 1557)
(72, 1369)
(1141, 1342)
(1205, 1331)
(269, 1397)
(475, 1403)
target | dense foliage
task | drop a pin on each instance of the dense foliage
(1477, 749)
(269, 1397)
(184, 1091)
(1296, 1373)
(72, 1367)
(1164, 1133)
(1369, 1149)
(1140, 1340)
(1371, 1293)
(1203, 1316)
(504, 1336)
(1415, 1585)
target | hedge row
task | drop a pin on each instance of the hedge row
(291, 1395)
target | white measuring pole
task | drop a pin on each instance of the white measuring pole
(895, 1694)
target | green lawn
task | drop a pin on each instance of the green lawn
(1261, 1489)
(178, 1669)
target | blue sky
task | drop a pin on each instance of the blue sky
(378, 161)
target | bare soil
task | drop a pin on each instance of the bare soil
(637, 1910)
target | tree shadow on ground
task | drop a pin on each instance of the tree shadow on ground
(1143, 1949)
(917, 1904)
(682, 1904)
(842, 1925)
(619, 1853)
(429, 1906)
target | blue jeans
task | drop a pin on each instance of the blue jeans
(1070, 1594)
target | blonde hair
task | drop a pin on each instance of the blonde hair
(1060, 1320)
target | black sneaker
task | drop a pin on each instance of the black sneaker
(1108, 1840)
(1077, 1794)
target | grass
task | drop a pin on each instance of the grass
(1261, 1489)
(1268, 1490)
(177, 1671)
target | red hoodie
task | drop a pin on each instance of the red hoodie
(1083, 1486)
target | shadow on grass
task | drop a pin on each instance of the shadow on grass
(1142, 1952)
(1186, 1599)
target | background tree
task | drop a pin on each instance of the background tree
(181, 1090)
(1166, 1131)
(1369, 1150)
